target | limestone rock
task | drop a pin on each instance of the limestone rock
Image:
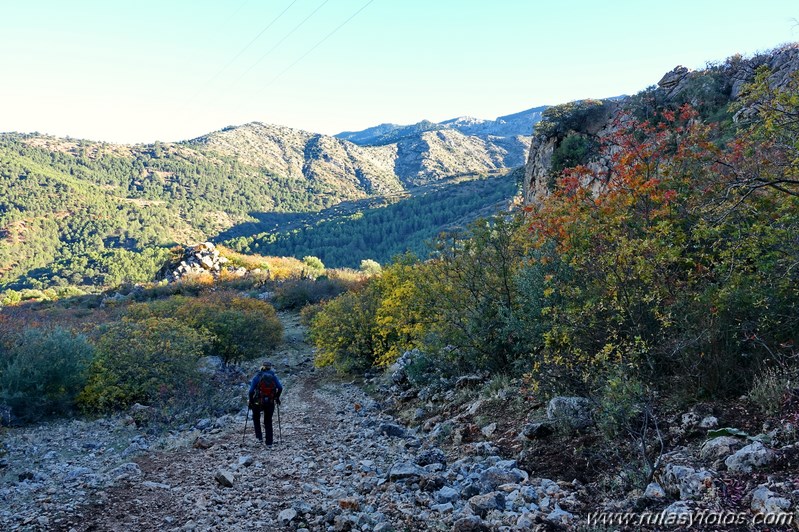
(719, 447)
(748, 458)
(685, 481)
(765, 501)
(573, 412)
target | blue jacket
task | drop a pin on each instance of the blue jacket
(257, 378)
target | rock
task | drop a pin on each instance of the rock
(489, 430)
(447, 494)
(709, 422)
(383, 527)
(431, 456)
(482, 504)
(748, 458)
(654, 491)
(245, 461)
(765, 501)
(470, 523)
(573, 412)
(129, 469)
(685, 482)
(468, 381)
(287, 516)
(202, 443)
(678, 508)
(76, 473)
(719, 447)
(405, 470)
(224, 478)
(672, 78)
(391, 429)
(493, 477)
(443, 508)
(560, 516)
(155, 485)
(349, 503)
(537, 430)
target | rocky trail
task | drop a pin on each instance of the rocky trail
(342, 464)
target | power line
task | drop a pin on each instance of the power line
(246, 47)
(289, 34)
(319, 43)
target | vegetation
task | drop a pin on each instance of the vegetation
(42, 372)
(679, 278)
(382, 233)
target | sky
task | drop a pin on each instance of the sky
(145, 70)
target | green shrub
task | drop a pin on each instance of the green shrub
(151, 362)
(43, 372)
(236, 328)
(344, 331)
(575, 149)
(370, 267)
(297, 293)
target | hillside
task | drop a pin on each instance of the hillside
(344, 235)
(78, 212)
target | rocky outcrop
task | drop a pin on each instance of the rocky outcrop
(196, 260)
(725, 81)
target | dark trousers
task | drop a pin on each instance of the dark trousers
(268, 409)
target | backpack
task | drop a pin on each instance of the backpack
(266, 389)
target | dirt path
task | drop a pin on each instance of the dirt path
(320, 466)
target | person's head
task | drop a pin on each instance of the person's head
(267, 365)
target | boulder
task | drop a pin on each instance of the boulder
(405, 470)
(654, 491)
(685, 482)
(719, 448)
(224, 478)
(287, 516)
(471, 523)
(447, 494)
(537, 430)
(748, 458)
(494, 477)
(765, 501)
(482, 504)
(391, 429)
(431, 456)
(575, 413)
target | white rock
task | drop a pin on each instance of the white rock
(752, 456)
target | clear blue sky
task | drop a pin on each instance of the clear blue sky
(137, 71)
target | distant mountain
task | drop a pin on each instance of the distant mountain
(412, 160)
(513, 125)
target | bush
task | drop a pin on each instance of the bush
(152, 362)
(297, 293)
(344, 331)
(771, 387)
(43, 372)
(370, 267)
(574, 150)
(314, 263)
(236, 328)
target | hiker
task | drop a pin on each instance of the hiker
(265, 390)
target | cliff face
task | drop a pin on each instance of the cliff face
(719, 84)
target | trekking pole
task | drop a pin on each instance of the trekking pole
(279, 428)
(246, 417)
